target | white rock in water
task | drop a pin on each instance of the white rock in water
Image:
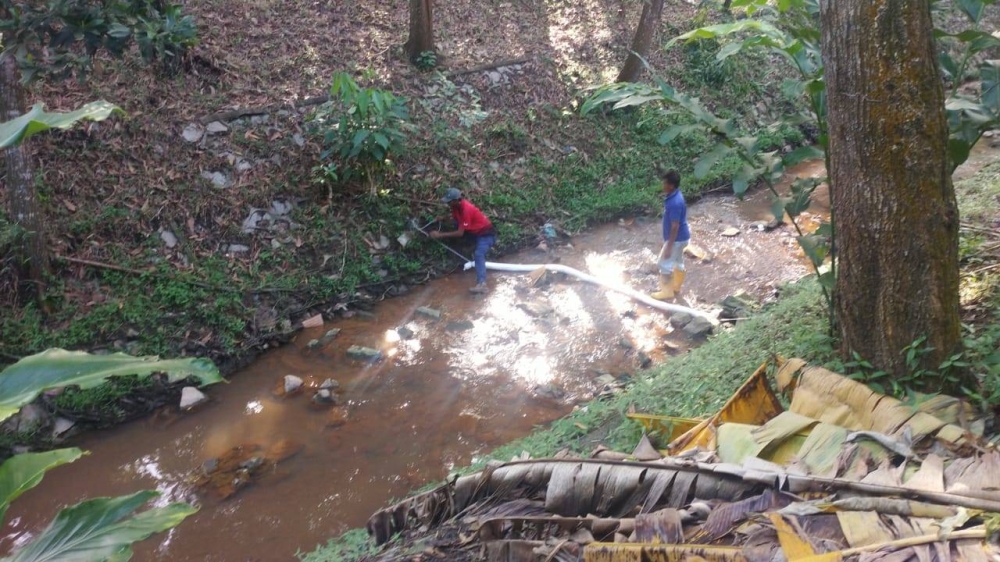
(61, 426)
(191, 397)
(292, 383)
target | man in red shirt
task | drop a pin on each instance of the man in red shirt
(473, 223)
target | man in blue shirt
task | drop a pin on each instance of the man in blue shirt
(676, 235)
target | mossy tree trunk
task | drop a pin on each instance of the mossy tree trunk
(895, 212)
(645, 34)
(421, 28)
(20, 176)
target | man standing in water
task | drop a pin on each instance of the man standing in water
(470, 222)
(676, 235)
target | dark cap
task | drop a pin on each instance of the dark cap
(451, 194)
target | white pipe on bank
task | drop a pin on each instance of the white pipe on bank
(635, 295)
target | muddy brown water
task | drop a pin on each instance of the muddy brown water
(438, 401)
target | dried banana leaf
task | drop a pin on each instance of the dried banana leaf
(630, 552)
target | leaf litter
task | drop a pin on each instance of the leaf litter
(788, 497)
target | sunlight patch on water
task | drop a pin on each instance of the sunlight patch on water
(254, 407)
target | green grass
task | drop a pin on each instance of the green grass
(979, 195)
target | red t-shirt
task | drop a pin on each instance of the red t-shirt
(470, 219)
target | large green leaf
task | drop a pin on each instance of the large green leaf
(704, 165)
(724, 29)
(101, 529)
(21, 473)
(37, 120)
(23, 381)
(989, 73)
(973, 9)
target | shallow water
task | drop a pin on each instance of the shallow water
(437, 401)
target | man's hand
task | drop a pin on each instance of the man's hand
(435, 234)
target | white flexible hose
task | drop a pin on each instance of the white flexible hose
(636, 295)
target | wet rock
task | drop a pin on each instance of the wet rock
(337, 417)
(364, 314)
(643, 360)
(329, 384)
(988, 134)
(292, 383)
(61, 426)
(209, 466)
(30, 417)
(459, 325)
(252, 464)
(363, 353)
(237, 248)
(218, 179)
(193, 132)
(216, 128)
(680, 319)
(699, 326)
(313, 344)
(736, 306)
(550, 391)
(404, 333)
(191, 397)
(283, 450)
(731, 231)
(429, 312)
(536, 308)
(324, 397)
(624, 343)
(605, 380)
(169, 238)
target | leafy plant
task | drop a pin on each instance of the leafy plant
(362, 128)
(44, 35)
(37, 120)
(426, 60)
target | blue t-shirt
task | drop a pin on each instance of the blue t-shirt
(675, 210)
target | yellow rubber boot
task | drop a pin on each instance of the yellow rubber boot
(666, 291)
(678, 280)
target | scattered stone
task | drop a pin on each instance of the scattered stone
(988, 134)
(275, 243)
(403, 239)
(237, 248)
(252, 223)
(459, 325)
(643, 360)
(404, 333)
(605, 380)
(169, 239)
(731, 231)
(299, 140)
(495, 78)
(624, 343)
(364, 353)
(216, 128)
(329, 384)
(313, 321)
(323, 397)
(281, 208)
(330, 335)
(61, 426)
(736, 306)
(209, 466)
(680, 319)
(131, 333)
(292, 383)
(30, 417)
(337, 417)
(429, 312)
(698, 326)
(243, 166)
(252, 464)
(550, 391)
(536, 308)
(193, 132)
(218, 179)
(313, 344)
(366, 315)
(191, 397)
(260, 119)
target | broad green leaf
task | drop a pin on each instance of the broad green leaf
(23, 381)
(778, 208)
(958, 151)
(23, 472)
(637, 100)
(989, 73)
(382, 140)
(827, 280)
(721, 30)
(947, 64)
(37, 120)
(101, 529)
(675, 131)
(706, 162)
(741, 180)
(801, 154)
(815, 247)
(973, 9)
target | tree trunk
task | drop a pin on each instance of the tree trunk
(24, 208)
(421, 28)
(895, 212)
(645, 33)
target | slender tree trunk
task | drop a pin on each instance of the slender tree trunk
(20, 176)
(421, 28)
(895, 212)
(645, 33)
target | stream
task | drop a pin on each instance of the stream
(487, 372)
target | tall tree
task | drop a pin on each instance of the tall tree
(895, 211)
(645, 33)
(421, 28)
(33, 264)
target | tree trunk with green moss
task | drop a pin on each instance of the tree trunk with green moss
(645, 33)
(895, 212)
